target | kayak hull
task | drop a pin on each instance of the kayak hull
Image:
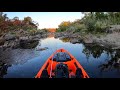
(72, 64)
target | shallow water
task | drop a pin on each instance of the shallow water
(98, 61)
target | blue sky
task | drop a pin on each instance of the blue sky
(47, 19)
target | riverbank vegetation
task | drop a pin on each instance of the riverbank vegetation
(16, 33)
(92, 22)
(27, 25)
(102, 28)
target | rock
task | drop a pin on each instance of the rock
(16, 44)
(113, 29)
(1, 48)
(64, 37)
(88, 41)
(2, 41)
(6, 44)
(75, 40)
(9, 37)
(3, 69)
(23, 38)
(11, 44)
(28, 44)
(36, 37)
(57, 35)
(44, 35)
(75, 35)
(41, 49)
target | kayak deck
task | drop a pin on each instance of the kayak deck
(62, 64)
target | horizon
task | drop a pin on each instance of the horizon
(47, 19)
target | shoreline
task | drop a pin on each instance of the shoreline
(21, 40)
(111, 41)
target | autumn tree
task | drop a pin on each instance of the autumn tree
(27, 20)
(3, 22)
(64, 25)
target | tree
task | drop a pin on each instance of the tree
(16, 18)
(3, 22)
(64, 25)
(3, 17)
(27, 20)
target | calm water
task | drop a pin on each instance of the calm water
(97, 61)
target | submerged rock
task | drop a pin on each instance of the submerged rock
(41, 49)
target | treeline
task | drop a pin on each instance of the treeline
(15, 24)
(96, 22)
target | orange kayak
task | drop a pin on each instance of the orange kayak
(62, 64)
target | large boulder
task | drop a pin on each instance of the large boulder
(36, 37)
(28, 44)
(57, 35)
(88, 41)
(9, 37)
(75, 40)
(2, 41)
(113, 29)
(23, 38)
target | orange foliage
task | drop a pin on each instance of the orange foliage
(51, 29)
(65, 23)
(17, 22)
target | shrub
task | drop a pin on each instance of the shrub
(32, 32)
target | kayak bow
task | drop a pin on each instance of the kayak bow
(62, 64)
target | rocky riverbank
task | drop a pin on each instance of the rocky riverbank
(110, 39)
(21, 39)
(18, 47)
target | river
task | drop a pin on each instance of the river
(98, 61)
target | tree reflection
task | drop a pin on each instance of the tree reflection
(11, 57)
(65, 39)
(114, 62)
(50, 35)
(94, 50)
(3, 69)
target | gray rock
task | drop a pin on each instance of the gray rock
(88, 41)
(9, 37)
(36, 37)
(2, 41)
(113, 29)
(23, 38)
(6, 44)
(1, 49)
(28, 44)
(41, 49)
(75, 40)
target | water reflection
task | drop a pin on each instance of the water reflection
(21, 62)
(3, 69)
(50, 35)
(113, 63)
(11, 57)
(109, 59)
(96, 51)
(92, 49)
(65, 39)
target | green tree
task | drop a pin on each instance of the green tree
(27, 20)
